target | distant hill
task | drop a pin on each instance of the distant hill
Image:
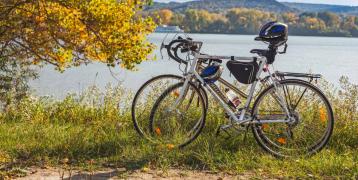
(219, 5)
(267, 5)
(353, 10)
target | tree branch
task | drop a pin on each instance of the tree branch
(35, 53)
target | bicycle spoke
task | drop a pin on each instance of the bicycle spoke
(294, 107)
(190, 100)
(287, 97)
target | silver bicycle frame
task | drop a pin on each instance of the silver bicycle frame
(192, 73)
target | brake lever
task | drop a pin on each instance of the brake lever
(184, 50)
(284, 50)
(162, 46)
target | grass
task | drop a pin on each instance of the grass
(88, 131)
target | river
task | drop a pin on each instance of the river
(330, 56)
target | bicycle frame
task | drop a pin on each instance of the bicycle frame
(192, 73)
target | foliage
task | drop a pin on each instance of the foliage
(166, 15)
(66, 33)
(14, 77)
(249, 21)
(91, 127)
(222, 5)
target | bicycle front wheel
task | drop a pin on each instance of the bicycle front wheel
(310, 120)
(177, 118)
(145, 98)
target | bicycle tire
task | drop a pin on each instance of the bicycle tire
(200, 123)
(265, 144)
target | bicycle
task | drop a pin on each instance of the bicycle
(290, 117)
(145, 95)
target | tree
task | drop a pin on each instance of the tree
(165, 15)
(196, 20)
(177, 19)
(14, 77)
(71, 32)
(219, 24)
(308, 14)
(349, 23)
(312, 23)
(290, 18)
(332, 20)
(248, 21)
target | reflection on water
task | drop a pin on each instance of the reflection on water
(332, 57)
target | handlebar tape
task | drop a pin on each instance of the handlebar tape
(175, 49)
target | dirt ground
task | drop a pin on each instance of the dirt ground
(173, 174)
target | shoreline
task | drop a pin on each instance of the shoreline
(243, 34)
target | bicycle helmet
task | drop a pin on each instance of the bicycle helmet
(274, 33)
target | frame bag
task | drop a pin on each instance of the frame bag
(243, 72)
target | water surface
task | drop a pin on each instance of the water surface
(332, 57)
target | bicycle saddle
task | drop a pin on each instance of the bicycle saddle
(260, 52)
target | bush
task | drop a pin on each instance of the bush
(14, 77)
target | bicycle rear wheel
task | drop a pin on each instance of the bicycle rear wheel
(308, 131)
(177, 121)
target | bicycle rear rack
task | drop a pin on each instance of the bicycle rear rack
(283, 75)
(300, 75)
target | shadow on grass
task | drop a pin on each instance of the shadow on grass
(97, 176)
(130, 167)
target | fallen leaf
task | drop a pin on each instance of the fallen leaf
(158, 131)
(281, 140)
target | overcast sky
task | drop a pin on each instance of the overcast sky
(341, 2)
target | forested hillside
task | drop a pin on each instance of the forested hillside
(249, 21)
(221, 5)
(305, 7)
(267, 5)
(247, 16)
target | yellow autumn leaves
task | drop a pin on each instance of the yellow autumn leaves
(66, 33)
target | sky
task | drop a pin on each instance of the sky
(339, 2)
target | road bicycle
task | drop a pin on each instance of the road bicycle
(147, 94)
(289, 117)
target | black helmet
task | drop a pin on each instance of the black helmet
(275, 33)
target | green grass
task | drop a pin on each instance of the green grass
(90, 132)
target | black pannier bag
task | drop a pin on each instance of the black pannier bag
(243, 72)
